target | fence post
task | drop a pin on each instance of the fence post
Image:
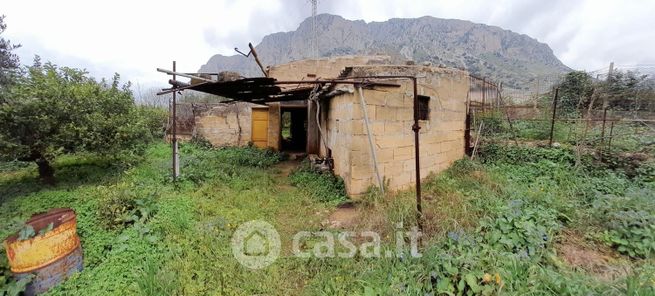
(552, 121)
(609, 140)
(176, 162)
(484, 94)
(602, 133)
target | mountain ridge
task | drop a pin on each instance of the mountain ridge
(490, 51)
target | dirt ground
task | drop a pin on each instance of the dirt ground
(598, 260)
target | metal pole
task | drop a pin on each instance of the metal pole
(174, 140)
(552, 121)
(602, 133)
(467, 133)
(416, 128)
(609, 141)
(484, 94)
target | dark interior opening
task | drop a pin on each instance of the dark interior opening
(423, 107)
(294, 129)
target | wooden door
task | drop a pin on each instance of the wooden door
(260, 127)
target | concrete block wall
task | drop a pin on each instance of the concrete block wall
(390, 114)
(231, 124)
(322, 68)
(225, 124)
(339, 134)
(274, 132)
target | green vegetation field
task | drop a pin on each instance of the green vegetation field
(520, 221)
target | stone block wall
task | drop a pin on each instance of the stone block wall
(322, 68)
(231, 124)
(274, 132)
(225, 124)
(390, 113)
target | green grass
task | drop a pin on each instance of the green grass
(491, 227)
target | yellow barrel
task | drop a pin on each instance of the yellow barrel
(41, 250)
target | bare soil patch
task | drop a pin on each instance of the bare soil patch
(598, 260)
(345, 216)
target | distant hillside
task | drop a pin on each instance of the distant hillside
(483, 50)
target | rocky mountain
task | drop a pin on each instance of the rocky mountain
(502, 55)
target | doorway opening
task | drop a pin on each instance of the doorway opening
(293, 128)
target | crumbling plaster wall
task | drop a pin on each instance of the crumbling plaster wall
(390, 112)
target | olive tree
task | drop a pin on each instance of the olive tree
(53, 110)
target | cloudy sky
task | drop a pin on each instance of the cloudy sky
(135, 37)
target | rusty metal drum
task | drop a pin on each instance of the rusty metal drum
(51, 256)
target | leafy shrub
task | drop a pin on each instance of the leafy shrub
(645, 172)
(323, 186)
(456, 268)
(463, 167)
(153, 120)
(635, 165)
(120, 205)
(492, 123)
(629, 221)
(533, 129)
(516, 154)
(520, 229)
(201, 142)
(200, 163)
(249, 156)
(632, 233)
(13, 165)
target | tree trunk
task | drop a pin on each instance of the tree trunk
(46, 172)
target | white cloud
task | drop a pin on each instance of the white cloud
(135, 37)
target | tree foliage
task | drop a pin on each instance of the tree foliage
(54, 110)
(9, 62)
(575, 91)
(625, 90)
(622, 90)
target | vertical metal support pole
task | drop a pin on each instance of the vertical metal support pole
(467, 122)
(609, 141)
(467, 133)
(416, 128)
(536, 95)
(484, 94)
(176, 167)
(602, 133)
(552, 121)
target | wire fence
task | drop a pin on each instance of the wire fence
(532, 117)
